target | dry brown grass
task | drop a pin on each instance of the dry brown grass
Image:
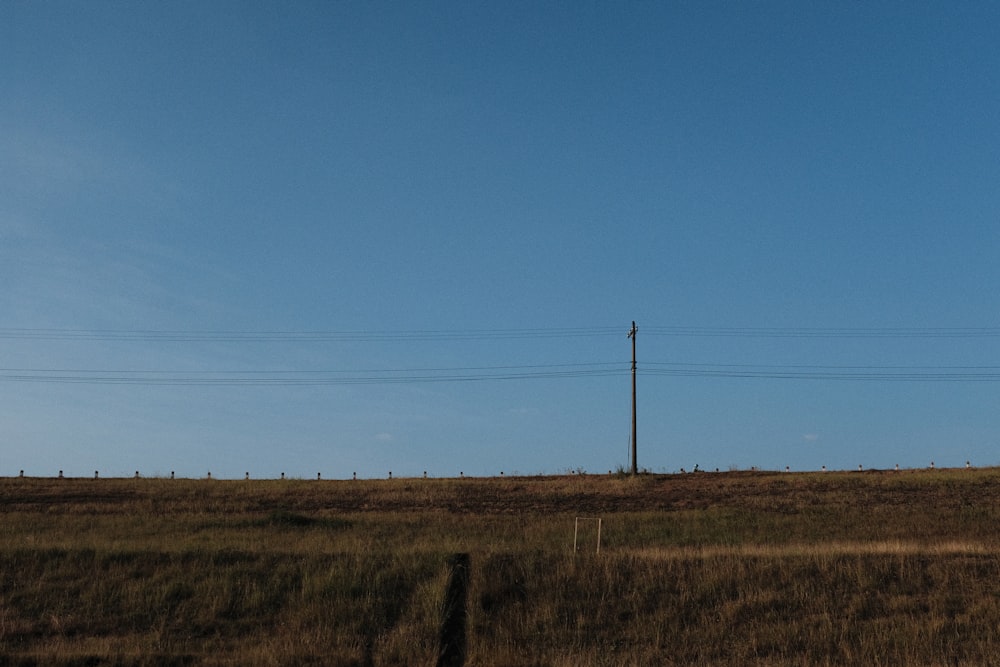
(704, 569)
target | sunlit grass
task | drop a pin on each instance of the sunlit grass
(713, 569)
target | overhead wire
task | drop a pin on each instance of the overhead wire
(309, 377)
(247, 336)
(362, 335)
(904, 373)
(815, 332)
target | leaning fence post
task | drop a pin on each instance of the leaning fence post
(576, 531)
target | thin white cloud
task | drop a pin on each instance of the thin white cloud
(810, 437)
(78, 161)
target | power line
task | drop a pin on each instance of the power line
(317, 377)
(290, 336)
(309, 377)
(244, 336)
(868, 373)
(307, 371)
(821, 366)
(811, 332)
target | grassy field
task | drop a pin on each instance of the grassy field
(737, 568)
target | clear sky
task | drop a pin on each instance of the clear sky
(365, 237)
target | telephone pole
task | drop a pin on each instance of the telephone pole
(631, 334)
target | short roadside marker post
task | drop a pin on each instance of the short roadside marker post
(576, 531)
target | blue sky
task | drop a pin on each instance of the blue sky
(799, 197)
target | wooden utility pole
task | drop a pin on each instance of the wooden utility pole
(631, 334)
